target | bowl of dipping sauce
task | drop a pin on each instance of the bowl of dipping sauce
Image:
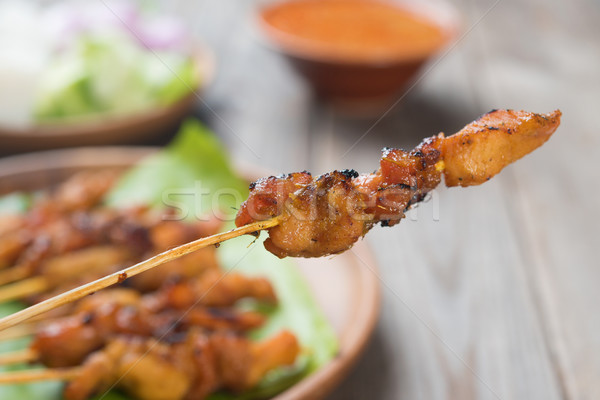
(358, 51)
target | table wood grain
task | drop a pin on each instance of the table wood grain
(489, 292)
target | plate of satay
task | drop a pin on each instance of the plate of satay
(129, 273)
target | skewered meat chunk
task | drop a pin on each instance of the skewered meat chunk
(222, 319)
(10, 223)
(83, 190)
(94, 259)
(169, 234)
(39, 240)
(321, 217)
(68, 341)
(12, 245)
(98, 373)
(484, 147)
(199, 303)
(329, 213)
(73, 246)
(191, 369)
(216, 289)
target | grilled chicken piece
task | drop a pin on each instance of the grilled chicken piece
(83, 190)
(484, 147)
(98, 373)
(190, 369)
(73, 248)
(10, 223)
(201, 302)
(68, 341)
(168, 234)
(328, 214)
(215, 289)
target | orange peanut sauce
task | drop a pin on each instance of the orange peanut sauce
(354, 30)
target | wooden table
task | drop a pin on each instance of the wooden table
(490, 292)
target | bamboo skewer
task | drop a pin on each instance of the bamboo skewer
(24, 288)
(13, 274)
(18, 332)
(36, 375)
(120, 276)
(21, 356)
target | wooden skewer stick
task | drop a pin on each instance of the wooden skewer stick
(35, 375)
(120, 276)
(24, 288)
(20, 356)
(18, 332)
(13, 274)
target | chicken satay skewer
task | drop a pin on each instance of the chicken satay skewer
(327, 214)
(99, 260)
(202, 302)
(17, 357)
(37, 375)
(209, 319)
(18, 233)
(78, 261)
(19, 331)
(13, 274)
(74, 268)
(313, 218)
(24, 288)
(257, 357)
(217, 290)
(195, 367)
(120, 276)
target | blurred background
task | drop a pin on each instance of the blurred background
(488, 293)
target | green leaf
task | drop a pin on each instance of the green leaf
(194, 175)
(14, 203)
(112, 395)
(297, 309)
(41, 390)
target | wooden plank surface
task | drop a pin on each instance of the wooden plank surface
(490, 292)
(556, 218)
(558, 245)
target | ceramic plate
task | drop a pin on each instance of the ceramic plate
(345, 286)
